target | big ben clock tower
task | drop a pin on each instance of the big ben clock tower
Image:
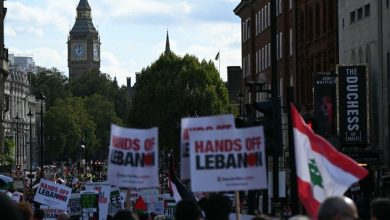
(83, 43)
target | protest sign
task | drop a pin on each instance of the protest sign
(74, 205)
(52, 194)
(116, 201)
(170, 208)
(50, 212)
(219, 122)
(133, 157)
(104, 190)
(228, 160)
(89, 204)
(17, 197)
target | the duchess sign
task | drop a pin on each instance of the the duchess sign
(353, 104)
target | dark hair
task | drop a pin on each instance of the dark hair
(123, 215)
(39, 214)
(8, 210)
(216, 207)
(261, 217)
(187, 210)
(380, 208)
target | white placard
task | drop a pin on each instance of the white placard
(228, 160)
(219, 122)
(104, 190)
(53, 194)
(133, 157)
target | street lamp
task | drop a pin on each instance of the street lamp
(42, 98)
(30, 114)
(17, 139)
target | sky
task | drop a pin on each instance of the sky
(132, 32)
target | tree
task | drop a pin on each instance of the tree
(102, 112)
(8, 157)
(66, 124)
(51, 82)
(174, 87)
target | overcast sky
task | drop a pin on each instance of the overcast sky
(132, 32)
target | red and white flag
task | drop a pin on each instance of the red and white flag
(322, 171)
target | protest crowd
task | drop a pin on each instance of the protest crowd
(221, 165)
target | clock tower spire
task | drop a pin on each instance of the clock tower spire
(83, 43)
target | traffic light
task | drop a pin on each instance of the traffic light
(272, 123)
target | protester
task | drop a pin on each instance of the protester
(337, 208)
(63, 216)
(26, 210)
(124, 215)
(8, 210)
(380, 209)
(187, 210)
(299, 217)
(39, 214)
(216, 207)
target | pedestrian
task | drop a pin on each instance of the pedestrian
(380, 209)
(8, 210)
(337, 208)
(187, 210)
(39, 214)
(216, 207)
(26, 210)
(123, 215)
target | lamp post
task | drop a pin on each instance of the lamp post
(17, 139)
(30, 114)
(42, 98)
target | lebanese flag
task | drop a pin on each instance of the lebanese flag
(322, 171)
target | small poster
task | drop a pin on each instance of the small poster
(53, 194)
(89, 204)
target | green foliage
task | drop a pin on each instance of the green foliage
(66, 123)
(51, 82)
(7, 158)
(100, 102)
(172, 88)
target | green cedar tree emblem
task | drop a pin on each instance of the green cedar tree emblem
(315, 174)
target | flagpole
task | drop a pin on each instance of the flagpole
(295, 204)
(237, 202)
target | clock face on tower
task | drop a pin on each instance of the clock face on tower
(79, 51)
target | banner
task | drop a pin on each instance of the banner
(228, 160)
(219, 122)
(104, 190)
(52, 194)
(324, 105)
(89, 204)
(353, 104)
(133, 158)
(74, 205)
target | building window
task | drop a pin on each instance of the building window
(277, 46)
(266, 57)
(367, 11)
(257, 30)
(360, 14)
(291, 42)
(258, 22)
(269, 55)
(262, 58)
(265, 17)
(248, 28)
(280, 7)
(257, 61)
(290, 4)
(262, 19)
(351, 17)
(269, 14)
(281, 45)
(276, 7)
(387, 4)
(249, 64)
(243, 31)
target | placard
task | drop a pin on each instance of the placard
(53, 194)
(74, 205)
(133, 157)
(228, 160)
(218, 122)
(89, 203)
(104, 190)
